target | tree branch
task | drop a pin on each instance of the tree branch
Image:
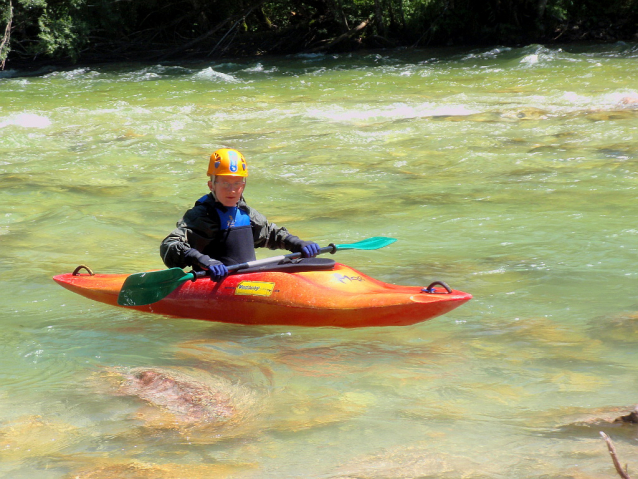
(214, 30)
(7, 37)
(225, 35)
(614, 457)
(342, 37)
(433, 24)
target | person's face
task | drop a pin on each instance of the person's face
(228, 189)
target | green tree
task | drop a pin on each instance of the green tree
(83, 30)
(5, 43)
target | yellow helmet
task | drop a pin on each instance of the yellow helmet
(227, 162)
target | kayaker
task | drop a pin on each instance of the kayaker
(221, 229)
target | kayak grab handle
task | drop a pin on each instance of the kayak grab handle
(430, 289)
(76, 271)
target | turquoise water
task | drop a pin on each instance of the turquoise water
(509, 173)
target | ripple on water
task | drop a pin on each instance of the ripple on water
(32, 365)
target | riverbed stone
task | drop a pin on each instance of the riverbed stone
(186, 399)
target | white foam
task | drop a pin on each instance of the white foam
(150, 76)
(210, 74)
(79, 73)
(490, 54)
(541, 55)
(573, 100)
(26, 120)
(530, 59)
(259, 68)
(395, 111)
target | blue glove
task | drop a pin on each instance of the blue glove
(217, 272)
(310, 250)
(216, 269)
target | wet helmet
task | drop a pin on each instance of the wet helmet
(227, 162)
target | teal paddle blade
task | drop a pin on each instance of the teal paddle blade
(375, 242)
(146, 288)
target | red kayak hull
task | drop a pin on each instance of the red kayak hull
(340, 297)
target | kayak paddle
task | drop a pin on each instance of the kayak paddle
(375, 242)
(146, 288)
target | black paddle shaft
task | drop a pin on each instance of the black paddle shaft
(331, 248)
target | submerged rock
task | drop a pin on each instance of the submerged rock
(629, 102)
(191, 398)
(35, 436)
(527, 113)
(581, 421)
(142, 470)
(631, 418)
(228, 359)
(617, 329)
(620, 114)
(412, 461)
(292, 403)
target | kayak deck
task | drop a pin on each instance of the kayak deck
(341, 297)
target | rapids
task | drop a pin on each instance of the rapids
(509, 173)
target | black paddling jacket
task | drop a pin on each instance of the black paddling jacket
(229, 235)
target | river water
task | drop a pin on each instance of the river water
(509, 173)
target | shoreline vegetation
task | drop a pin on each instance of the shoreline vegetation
(67, 32)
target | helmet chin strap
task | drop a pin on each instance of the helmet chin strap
(212, 190)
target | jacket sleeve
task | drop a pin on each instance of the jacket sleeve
(194, 230)
(268, 235)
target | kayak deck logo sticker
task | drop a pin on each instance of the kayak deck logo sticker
(254, 288)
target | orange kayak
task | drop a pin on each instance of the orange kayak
(341, 297)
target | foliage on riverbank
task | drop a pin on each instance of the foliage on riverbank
(107, 30)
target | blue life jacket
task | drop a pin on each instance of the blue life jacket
(235, 243)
